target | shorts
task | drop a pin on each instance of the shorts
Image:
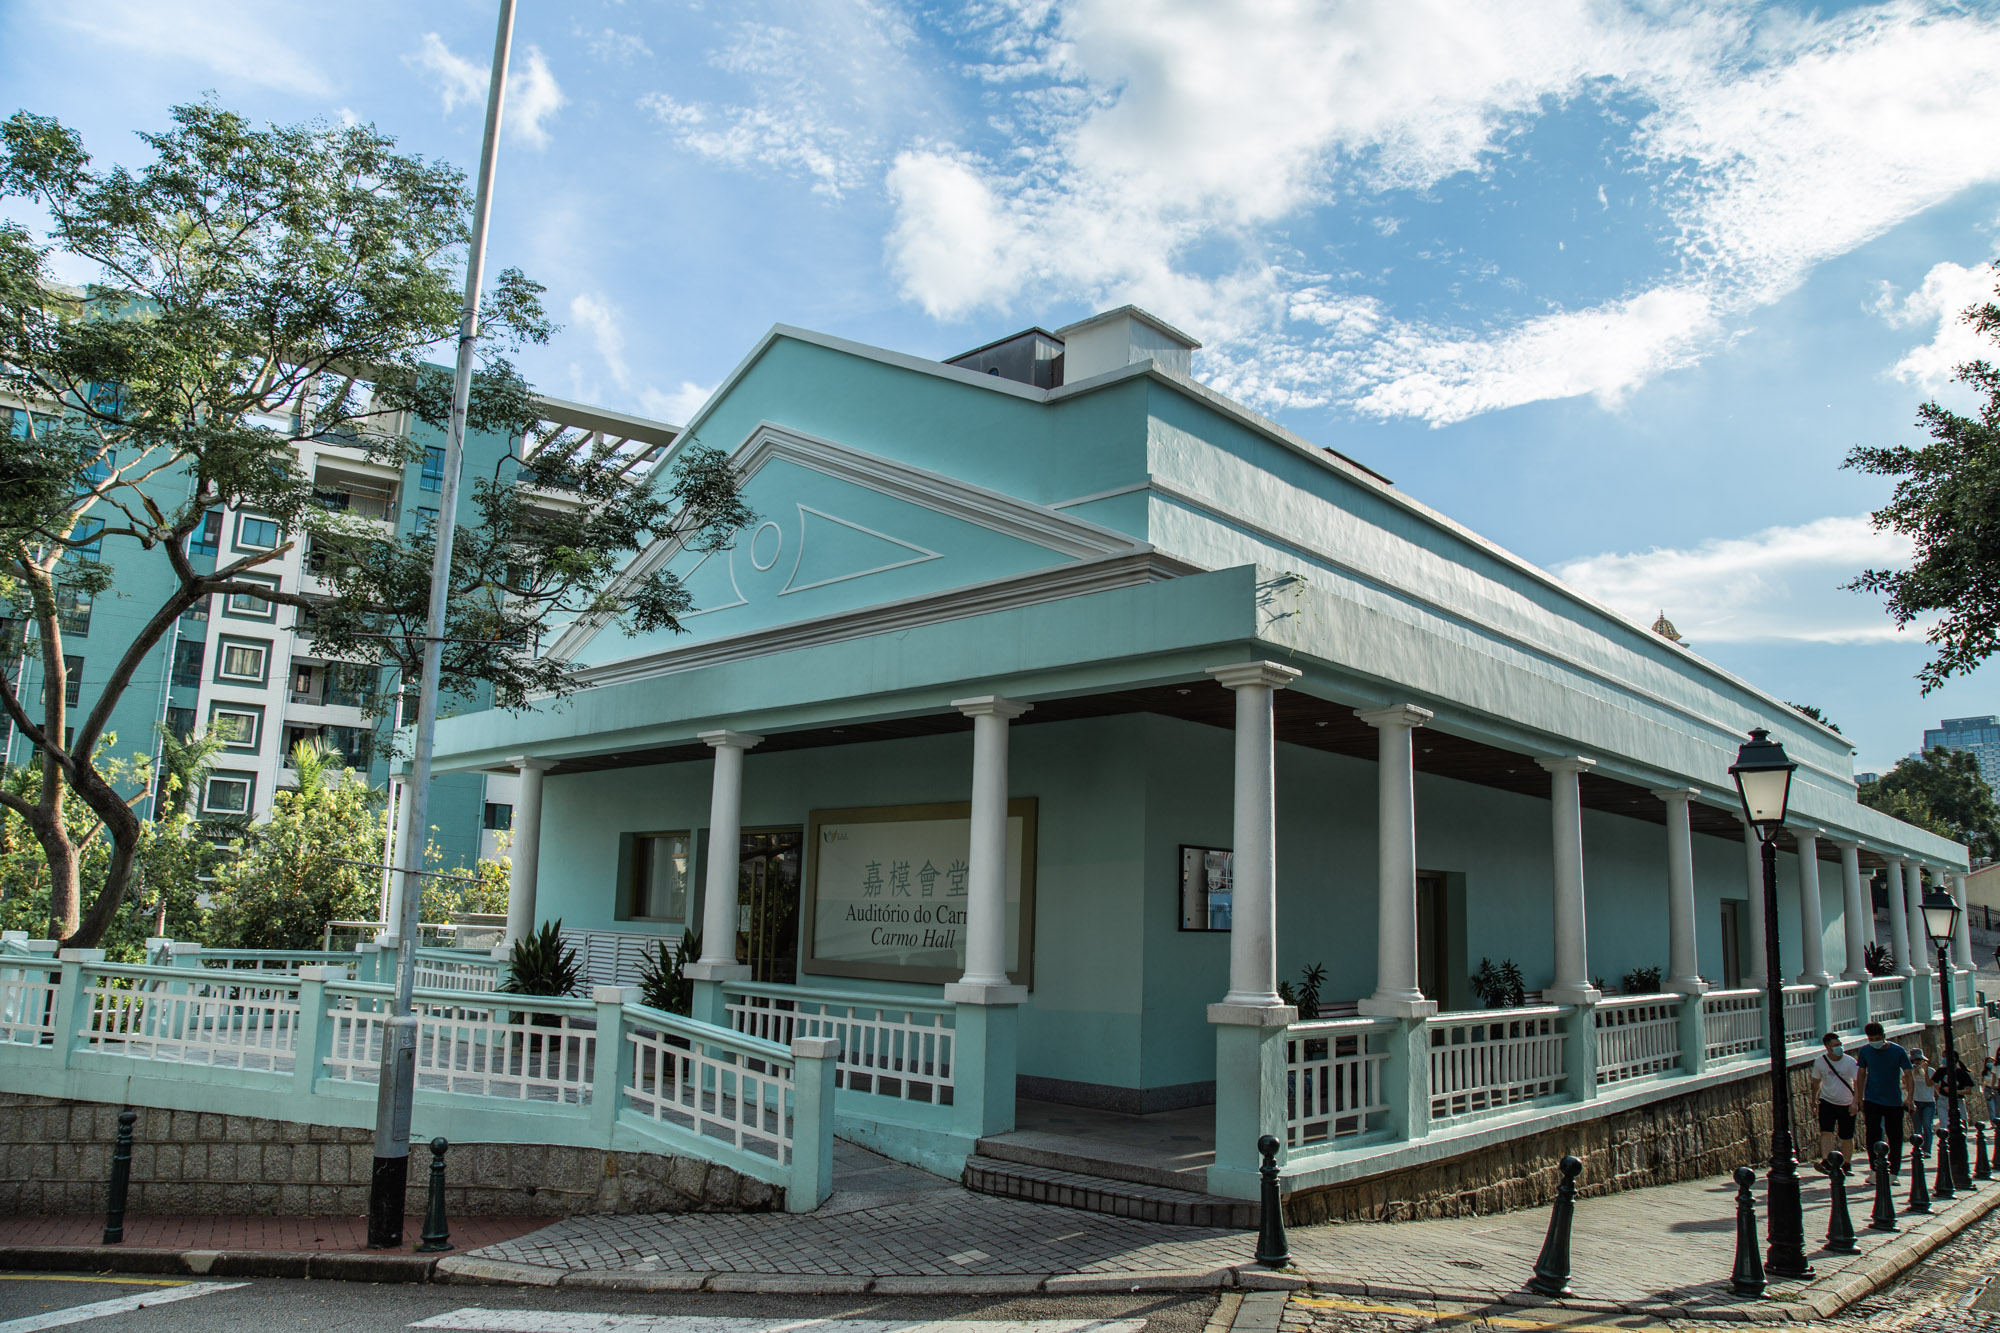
(1836, 1120)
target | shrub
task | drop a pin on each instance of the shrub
(663, 983)
(541, 964)
(1499, 986)
(1641, 981)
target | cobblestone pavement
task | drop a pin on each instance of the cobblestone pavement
(1956, 1289)
(1669, 1246)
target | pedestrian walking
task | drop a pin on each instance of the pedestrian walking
(1923, 1100)
(1835, 1074)
(1885, 1092)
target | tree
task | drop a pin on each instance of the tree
(1812, 711)
(1942, 791)
(313, 861)
(257, 290)
(1947, 500)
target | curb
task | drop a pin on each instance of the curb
(1877, 1270)
(331, 1265)
(470, 1268)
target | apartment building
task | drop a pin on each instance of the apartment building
(1978, 736)
(246, 665)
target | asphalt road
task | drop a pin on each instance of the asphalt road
(30, 1302)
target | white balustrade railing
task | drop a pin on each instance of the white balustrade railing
(543, 1054)
(1732, 1024)
(27, 1003)
(1801, 1023)
(445, 969)
(901, 1048)
(282, 961)
(1334, 1079)
(715, 1085)
(1486, 1061)
(1637, 1036)
(1885, 1001)
(1844, 1005)
(224, 1020)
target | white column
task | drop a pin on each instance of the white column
(1396, 991)
(1812, 926)
(1572, 980)
(1962, 940)
(1899, 919)
(1683, 968)
(525, 849)
(1856, 916)
(1253, 932)
(725, 855)
(985, 979)
(1913, 905)
(1754, 976)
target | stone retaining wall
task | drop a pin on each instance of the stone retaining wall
(1709, 1132)
(55, 1157)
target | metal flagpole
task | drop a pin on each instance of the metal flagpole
(399, 1046)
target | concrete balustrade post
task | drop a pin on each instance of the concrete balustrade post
(72, 1005)
(1397, 994)
(813, 1063)
(611, 1073)
(985, 1057)
(1406, 1079)
(1250, 1097)
(1683, 965)
(313, 1041)
(524, 852)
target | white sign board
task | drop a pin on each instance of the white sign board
(888, 891)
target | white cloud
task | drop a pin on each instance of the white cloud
(677, 407)
(248, 41)
(1942, 299)
(599, 318)
(824, 92)
(1782, 583)
(1773, 141)
(458, 80)
(609, 44)
(533, 95)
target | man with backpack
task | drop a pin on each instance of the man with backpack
(1835, 1073)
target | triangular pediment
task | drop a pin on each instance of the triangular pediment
(837, 530)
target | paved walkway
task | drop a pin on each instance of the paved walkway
(888, 1229)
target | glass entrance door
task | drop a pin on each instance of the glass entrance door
(767, 896)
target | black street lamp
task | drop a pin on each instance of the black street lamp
(1764, 782)
(1941, 924)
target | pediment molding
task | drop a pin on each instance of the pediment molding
(1061, 534)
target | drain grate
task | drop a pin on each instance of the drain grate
(1465, 1263)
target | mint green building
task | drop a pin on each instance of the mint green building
(1056, 709)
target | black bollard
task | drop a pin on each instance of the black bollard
(1884, 1218)
(121, 1179)
(1943, 1187)
(1748, 1278)
(1552, 1265)
(1839, 1226)
(1272, 1251)
(1981, 1168)
(437, 1235)
(1920, 1191)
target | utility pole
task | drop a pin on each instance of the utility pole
(397, 1083)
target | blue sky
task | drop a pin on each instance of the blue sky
(1617, 285)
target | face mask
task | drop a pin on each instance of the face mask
(1878, 1042)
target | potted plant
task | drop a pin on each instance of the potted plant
(663, 982)
(541, 964)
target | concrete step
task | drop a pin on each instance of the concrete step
(1102, 1158)
(1098, 1194)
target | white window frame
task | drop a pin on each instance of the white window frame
(261, 646)
(248, 781)
(249, 713)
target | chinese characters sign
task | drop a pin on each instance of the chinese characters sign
(889, 891)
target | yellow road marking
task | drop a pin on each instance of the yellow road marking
(84, 1277)
(1443, 1317)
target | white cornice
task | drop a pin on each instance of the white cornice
(1076, 579)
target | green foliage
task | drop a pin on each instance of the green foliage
(482, 890)
(1641, 981)
(253, 290)
(1947, 501)
(313, 861)
(1499, 986)
(1878, 960)
(663, 984)
(541, 964)
(1311, 977)
(1812, 711)
(1942, 791)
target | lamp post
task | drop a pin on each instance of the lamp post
(1941, 924)
(1764, 782)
